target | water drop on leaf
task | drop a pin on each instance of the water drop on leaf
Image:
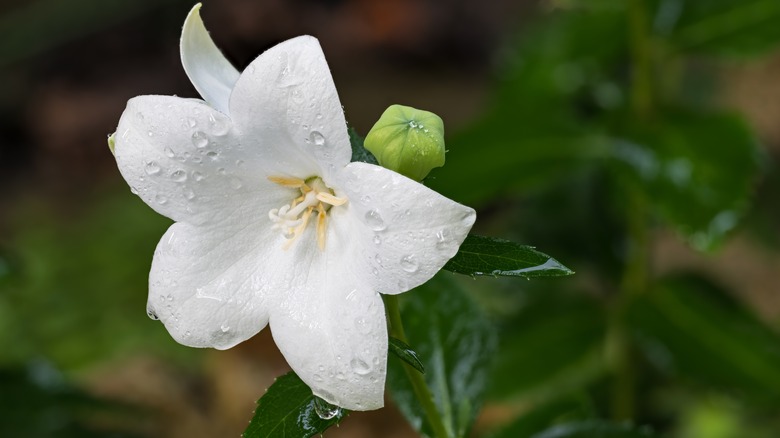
(325, 410)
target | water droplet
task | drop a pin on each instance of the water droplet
(199, 139)
(187, 334)
(150, 133)
(235, 183)
(225, 328)
(317, 138)
(162, 200)
(409, 263)
(239, 163)
(152, 168)
(168, 152)
(365, 199)
(359, 366)
(444, 240)
(317, 378)
(197, 176)
(218, 126)
(151, 314)
(140, 116)
(362, 326)
(340, 376)
(192, 122)
(377, 240)
(325, 410)
(375, 221)
(221, 171)
(212, 155)
(179, 176)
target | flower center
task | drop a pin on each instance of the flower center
(291, 219)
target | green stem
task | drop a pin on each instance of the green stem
(641, 52)
(421, 390)
(636, 274)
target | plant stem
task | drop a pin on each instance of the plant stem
(421, 390)
(641, 52)
(636, 274)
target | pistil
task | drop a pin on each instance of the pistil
(292, 218)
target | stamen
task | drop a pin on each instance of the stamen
(293, 218)
(330, 199)
(286, 181)
(321, 226)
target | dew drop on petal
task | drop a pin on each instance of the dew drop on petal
(199, 139)
(151, 314)
(235, 183)
(168, 152)
(197, 176)
(317, 378)
(317, 138)
(362, 326)
(225, 328)
(189, 194)
(179, 176)
(359, 366)
(375, 221)
(162, 200)
(377, 240)
(212, 155)
(152, 168)
(192, 122)
(325, 410)
(219, 126)
(409, 263)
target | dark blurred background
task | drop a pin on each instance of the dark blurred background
(636, 141)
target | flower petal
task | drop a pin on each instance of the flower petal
(182, 158)
(286, 101)
(209, 71)
(207, 285)
(333, 334)
(400, 232)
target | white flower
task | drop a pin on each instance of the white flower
(274, 225)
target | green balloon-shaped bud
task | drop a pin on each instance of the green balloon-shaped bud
(408, 141)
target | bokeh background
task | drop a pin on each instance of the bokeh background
(636, 141)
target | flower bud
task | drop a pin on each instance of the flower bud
(408, 141)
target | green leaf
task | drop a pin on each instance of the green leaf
(695, 169)
(457, 343)
(594, 429)
(290, 409)
(359, 152)
(545, 416)
(693, 329)
(551, 346)
(479, 255)
(723, 27)
(406, 354)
